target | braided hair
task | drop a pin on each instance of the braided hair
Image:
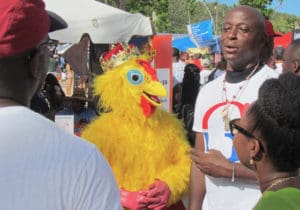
(276, 114)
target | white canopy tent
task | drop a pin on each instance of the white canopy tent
(104, 24)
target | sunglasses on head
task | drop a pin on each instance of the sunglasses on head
(235, 129)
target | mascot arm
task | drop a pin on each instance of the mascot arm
(176, 175)
(137, 200)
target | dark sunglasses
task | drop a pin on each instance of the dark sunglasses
(235, 129)
(50, 43)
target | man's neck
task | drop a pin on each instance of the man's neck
(238, 76)
(4, 102)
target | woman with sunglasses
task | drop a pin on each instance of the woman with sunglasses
(267, 140)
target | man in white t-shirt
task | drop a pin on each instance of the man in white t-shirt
(41, 166)
(177, 67)
(216, 173)
(205, 71)
(278, 53)
(269, 54)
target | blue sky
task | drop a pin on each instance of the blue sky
(288, 6)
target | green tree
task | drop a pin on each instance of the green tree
(261, 5)
(219, 13)
(172, 16)
(144, 7)
(162, 21)
(284, 22)
(181, 16)
(155, 9)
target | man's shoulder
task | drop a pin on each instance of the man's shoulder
(213, 84)
(267, 72)
(205, 72)
(63, 138)
(46, 135)
(210, 90)
(63, 144)
(178, 64)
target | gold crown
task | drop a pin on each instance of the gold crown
(147, 51)
(122, 52)
(119, 54)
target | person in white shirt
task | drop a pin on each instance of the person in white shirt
(216, 173)
(268, 55)
(42, 167)
(177, 67)
(205, 71)
(278, 53)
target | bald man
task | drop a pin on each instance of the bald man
(216, 173)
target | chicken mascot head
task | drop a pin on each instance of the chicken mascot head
(145, 145)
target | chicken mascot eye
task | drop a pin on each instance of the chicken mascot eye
(135, 77)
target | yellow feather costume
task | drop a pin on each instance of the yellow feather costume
(140, 147)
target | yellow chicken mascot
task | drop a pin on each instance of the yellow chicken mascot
(145, 145)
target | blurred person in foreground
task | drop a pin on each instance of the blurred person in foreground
(216, 173)
(267, 141)
(291, 58)
(41, 166)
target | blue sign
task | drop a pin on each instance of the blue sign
(182, 44)
(202, 31)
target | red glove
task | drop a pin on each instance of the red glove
(136, 200)
(161, 190)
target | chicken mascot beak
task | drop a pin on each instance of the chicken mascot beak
(152, 91)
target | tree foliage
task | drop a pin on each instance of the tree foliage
(261, 5)
(173, 16)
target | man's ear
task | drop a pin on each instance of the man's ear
(39, 64)
(295, 66)
(264, 37)
(264, 40)
(34, 65)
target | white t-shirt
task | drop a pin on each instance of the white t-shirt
(44, 168)
(222, 193)
(278, 68)
(204, 76)
(178, 72)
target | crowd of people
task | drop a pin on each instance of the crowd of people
(242, 119)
